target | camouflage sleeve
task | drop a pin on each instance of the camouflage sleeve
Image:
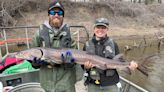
(36, 42)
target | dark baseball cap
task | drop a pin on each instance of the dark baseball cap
(56, 4)
(102, 22)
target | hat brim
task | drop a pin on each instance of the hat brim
(101, 24)
(55, 7)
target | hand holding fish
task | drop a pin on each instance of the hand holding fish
(133, 65)
(88, 65)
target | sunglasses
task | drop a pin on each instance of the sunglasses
(52, 12)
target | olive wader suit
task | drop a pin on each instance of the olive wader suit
(56, 78)
(102, 80)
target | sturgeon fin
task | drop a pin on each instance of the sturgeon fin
(143, 70)
(119, 57)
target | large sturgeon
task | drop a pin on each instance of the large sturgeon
(59, 56)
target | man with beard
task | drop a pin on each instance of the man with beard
(55, 34)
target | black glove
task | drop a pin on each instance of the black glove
(67, 57)
(37, 62)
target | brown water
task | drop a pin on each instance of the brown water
(154, 61)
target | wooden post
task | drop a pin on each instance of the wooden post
(6, 45)
(28, 45)
(0, 53)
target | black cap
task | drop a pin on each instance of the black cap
(56, 4)
(102, 21)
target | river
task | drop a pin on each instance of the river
(154, 61)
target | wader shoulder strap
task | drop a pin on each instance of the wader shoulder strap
(109, 48)
(66, 28)
(65, 37)
(44, 34)
(65, 31)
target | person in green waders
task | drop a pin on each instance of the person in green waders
(55, 34)
(102, 45)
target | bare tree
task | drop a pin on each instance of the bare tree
(7, 8)
(159, 1)
(139, 1)
(134, 1)
(149, 1)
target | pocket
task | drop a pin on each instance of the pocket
(94, 75)
(46, 80)
(110, 72)
(47, 86)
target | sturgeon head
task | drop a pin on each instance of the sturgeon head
(30, 54)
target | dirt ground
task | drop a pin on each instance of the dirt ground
(115, 30)
(126, 18)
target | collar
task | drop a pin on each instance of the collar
(55, 30)
(101, 41)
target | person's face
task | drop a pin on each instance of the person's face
(100, 31)
(56, 17)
